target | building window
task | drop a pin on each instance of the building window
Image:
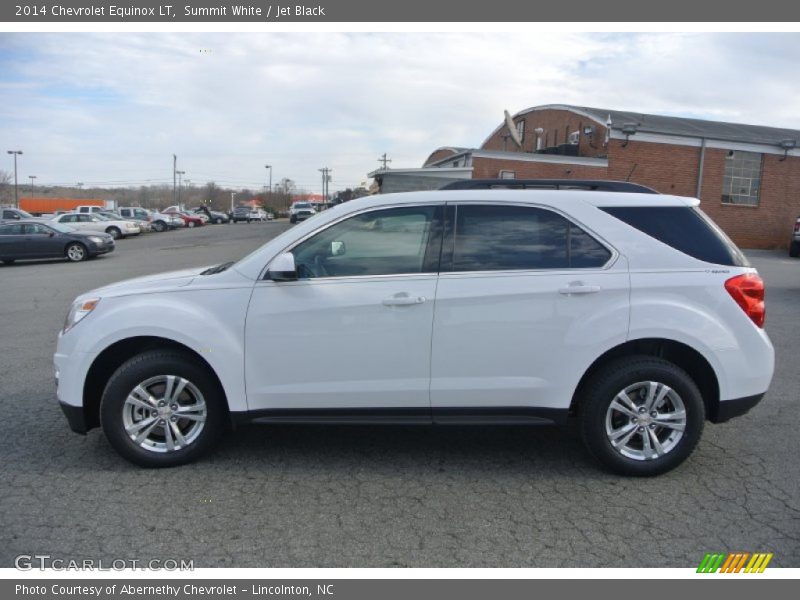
(508, 175)
(742, 181)
(521, 130)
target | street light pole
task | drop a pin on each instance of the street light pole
(31, 177)
(179, 173)
(232, 195)
(270, 182)
(16, 192)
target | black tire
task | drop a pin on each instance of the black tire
(292, 219)
(114, 232)
(603, 388)
(76, 252)
(794, 249)
(218, 221)
(150, 365)
(160, 226)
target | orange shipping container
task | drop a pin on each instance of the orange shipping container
(51, 205)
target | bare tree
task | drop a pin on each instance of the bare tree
(6, 193)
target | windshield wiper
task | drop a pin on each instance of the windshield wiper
(217, 269)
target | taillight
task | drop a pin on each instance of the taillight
(748, 292)
(797, 226)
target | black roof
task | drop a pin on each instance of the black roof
(595, 185)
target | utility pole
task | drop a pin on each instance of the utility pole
(31, 177)
(16, 192)
(232, 195)
(325, 179)
(384, 160)
(270, 182)
(174, 169)
(179, 173)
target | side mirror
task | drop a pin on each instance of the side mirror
(338, 248)
(282, 268)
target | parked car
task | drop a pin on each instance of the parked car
(30, 239)
(794, 245)
(300, 211)
(159, 222)
(241, 213)
(213, 216)
(89, 209)
(14, 214)
(258, 214)
(630, 313)
(189, 220)
(144, 226)
(93, 222)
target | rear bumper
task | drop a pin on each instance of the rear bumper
(728, 409)
(75, 417)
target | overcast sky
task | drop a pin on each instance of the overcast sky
(102, 108)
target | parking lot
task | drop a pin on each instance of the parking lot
(292, 496)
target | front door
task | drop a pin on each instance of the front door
(354, 331)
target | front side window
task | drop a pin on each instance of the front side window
(742, 181)
(383, 242)
(504, 238)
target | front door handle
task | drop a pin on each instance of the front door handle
(403, 299)
(579, 289)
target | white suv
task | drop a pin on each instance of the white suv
(631, 312)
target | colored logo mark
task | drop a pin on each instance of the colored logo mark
(735, 562)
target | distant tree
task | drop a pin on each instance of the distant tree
(6, 192)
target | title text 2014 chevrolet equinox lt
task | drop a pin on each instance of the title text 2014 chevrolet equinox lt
(632, 312)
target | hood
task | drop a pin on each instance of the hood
(161, 282)
(85, 234)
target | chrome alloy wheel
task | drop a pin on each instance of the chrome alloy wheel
(76, 252)
(164, 413)
(645, 421)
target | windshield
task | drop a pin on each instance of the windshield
(302, 205)
(24, 214)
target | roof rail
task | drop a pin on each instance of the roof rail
(596, 185)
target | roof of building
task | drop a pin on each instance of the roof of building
(678, 126)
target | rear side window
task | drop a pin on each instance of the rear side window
(685, 228)
(504, 238)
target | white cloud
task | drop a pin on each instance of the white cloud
(116, 106)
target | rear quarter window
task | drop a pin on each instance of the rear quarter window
(685, 228)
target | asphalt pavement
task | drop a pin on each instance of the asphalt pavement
(311, 496)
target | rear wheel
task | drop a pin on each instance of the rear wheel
(218, 221)
(190, 224)
(794, 249)
(162, 409)
(160, 226)
(641, 416)
(76, 252)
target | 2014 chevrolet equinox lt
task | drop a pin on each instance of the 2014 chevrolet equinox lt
(633, 312)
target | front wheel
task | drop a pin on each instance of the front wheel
(162, 409)
(217, 221)
(114, 232)
(641, 416)
(160, 226)
(190, 224)
(76, 252)
(794, 249)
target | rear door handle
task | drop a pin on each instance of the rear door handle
(576, 290)
(403, 299)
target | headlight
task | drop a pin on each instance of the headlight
(78, 310)
(96, 239)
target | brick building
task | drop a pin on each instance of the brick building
(747, 176)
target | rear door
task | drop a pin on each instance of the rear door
(11, 241)
(525, 301)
